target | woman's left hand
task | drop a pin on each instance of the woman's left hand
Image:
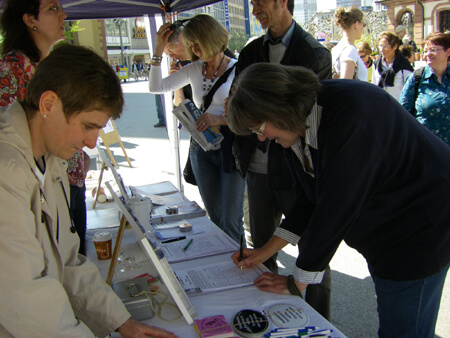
(208, 120)
(271, 282)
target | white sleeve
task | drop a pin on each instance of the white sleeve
(349, 53)
(375, 75)
(177, 80)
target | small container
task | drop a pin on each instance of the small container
(103, 245)
(141, 208)
(135, 295)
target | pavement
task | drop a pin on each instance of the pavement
(353, 302)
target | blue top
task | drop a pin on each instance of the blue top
(433, 102)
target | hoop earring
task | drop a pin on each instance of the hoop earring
(35, 28)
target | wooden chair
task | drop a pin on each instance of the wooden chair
(112, 136)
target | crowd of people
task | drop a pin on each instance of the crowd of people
(330, 146)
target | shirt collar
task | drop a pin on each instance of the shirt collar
(286, 37)
(428, 72)
(313, 122)
(302, 152)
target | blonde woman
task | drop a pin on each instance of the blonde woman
(220, 184)
(346, 62)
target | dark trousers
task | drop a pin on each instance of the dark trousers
(319, 295)
(78, 213)
(266, 207)
(159, 109)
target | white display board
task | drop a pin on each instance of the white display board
(160, 262)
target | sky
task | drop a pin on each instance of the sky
(323, 5)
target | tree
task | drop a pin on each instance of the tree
(376, 23)
(237, 41)
(70, 28)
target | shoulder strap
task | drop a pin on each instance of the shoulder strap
(216, 86)
(417, 76)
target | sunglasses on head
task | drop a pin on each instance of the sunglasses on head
(179, 23)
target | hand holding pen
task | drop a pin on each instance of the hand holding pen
(250, 258)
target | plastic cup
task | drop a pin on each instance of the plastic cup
(103, 245)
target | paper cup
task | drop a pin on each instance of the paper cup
(103, 245)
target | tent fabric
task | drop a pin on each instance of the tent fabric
(105, 9)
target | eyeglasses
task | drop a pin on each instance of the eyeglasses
(54, 7)
(260, 130)
(384, 47)
(432, 50)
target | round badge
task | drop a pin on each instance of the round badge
(286, 316)
(250, 323)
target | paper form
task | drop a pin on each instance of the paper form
(217, 277)
(203, 245)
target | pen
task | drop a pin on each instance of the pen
(187, 245)
(174, 239)
(241, 249)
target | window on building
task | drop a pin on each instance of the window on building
(408, 21)
(444, 21)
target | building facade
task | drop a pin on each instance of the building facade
(421, 17)
(304, 10)
(348, 3)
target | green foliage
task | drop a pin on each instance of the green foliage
(71, 28)
(237, 41)
(366, 38)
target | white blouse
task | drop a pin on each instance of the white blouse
(191, 74)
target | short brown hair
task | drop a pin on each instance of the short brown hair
(407, 50)
(364, 47)
(81, 79)
(209, 33)
(391, 38)
(439, 39)
(283, 95)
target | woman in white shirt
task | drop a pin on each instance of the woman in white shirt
(391, 69)
(220, 184)
(346, 61)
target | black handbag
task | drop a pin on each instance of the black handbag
(188, 174)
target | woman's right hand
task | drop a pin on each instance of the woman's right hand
(251, 257)
(162, 36)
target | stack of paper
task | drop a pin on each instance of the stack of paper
(216, 277)
(203, 245)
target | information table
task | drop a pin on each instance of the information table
(134, 262)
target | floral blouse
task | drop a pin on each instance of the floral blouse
(16, 71)
(432, 103)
